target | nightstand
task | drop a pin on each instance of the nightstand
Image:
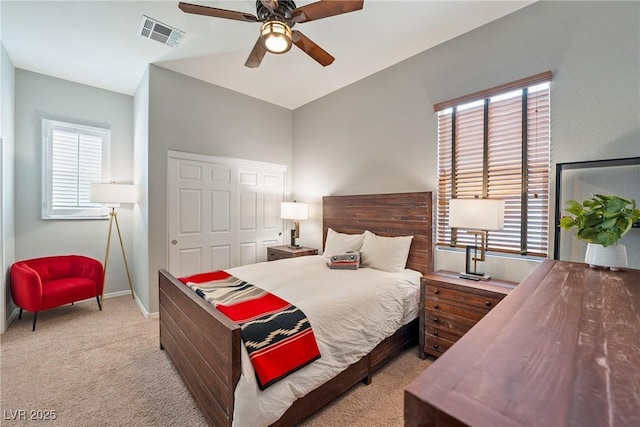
(282, 252)
(450, 306)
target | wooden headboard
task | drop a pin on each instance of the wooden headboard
(394, 214)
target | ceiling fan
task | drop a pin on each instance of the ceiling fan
(277, 17)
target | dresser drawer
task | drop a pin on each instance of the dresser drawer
(438, 293)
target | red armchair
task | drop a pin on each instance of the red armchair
(43, 283)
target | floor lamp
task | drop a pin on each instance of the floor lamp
(112, 195)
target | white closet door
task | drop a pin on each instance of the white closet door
(260, 193)
(222, 212)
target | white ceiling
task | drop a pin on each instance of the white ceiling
(97, 43)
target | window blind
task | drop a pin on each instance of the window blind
(74, 160)
(498, 147)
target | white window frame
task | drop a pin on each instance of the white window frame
(85, 210)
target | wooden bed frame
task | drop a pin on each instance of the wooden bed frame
(204, 345)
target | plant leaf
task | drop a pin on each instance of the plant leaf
(567, 222)
(607, 238)
(616, 205)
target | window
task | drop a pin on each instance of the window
(75, 156)
(495, 144)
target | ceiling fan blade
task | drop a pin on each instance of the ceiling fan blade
(325, 8)
(270, 4)
(256, 55)
(311, 49)
(216, 13)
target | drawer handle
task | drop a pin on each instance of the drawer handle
(436, 333)
(487, 303)
(436, 292)
(435, 319)
(435, 346)
(436, 306)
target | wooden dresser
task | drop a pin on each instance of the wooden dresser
(450, 306)
(562, 349)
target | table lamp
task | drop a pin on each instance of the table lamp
(477, 216)
(295, 212)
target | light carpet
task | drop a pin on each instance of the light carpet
(105, 368)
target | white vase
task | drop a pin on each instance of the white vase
(614, 256)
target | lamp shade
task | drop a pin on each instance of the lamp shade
(276, 36)
(476, 214)
(113, 193)
(294, 211)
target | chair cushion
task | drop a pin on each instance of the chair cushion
(67, 290)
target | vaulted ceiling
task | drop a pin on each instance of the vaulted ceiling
(98, 43)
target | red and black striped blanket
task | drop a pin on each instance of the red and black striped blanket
(276, 334)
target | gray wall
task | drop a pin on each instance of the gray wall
(189, 115)
(7, 148)
(380, 134)
(141, 280)
(39, 96)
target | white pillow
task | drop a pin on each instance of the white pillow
(340, 243)
(385, 253)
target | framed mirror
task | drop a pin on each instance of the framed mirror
(578, 181)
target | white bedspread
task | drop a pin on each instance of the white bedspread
(351, 311)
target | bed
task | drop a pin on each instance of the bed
(206, 348)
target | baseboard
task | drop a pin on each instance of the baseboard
(141, 307)
(117, 294)
(16, 311)
(12, 316)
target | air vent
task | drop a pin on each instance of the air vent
(154, 30)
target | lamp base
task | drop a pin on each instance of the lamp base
(294, 234)
(472, 273)
(474, 276)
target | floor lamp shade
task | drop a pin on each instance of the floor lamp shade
(295, 212)
(113, 194)
(480, 216)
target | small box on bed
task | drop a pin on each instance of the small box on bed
(346, 261)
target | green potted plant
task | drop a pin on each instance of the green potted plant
(601, 222)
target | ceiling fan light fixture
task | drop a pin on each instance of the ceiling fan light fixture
(276, 36)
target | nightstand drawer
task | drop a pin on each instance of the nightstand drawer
(456, 324)
(438, 293)
(436, 346)
(274, 255)
(463, 310)
(439, 332)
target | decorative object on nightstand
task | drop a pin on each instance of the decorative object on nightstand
(111, 195)
(450, 306)
(295, 212)
(282, 252)
(477, 216)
